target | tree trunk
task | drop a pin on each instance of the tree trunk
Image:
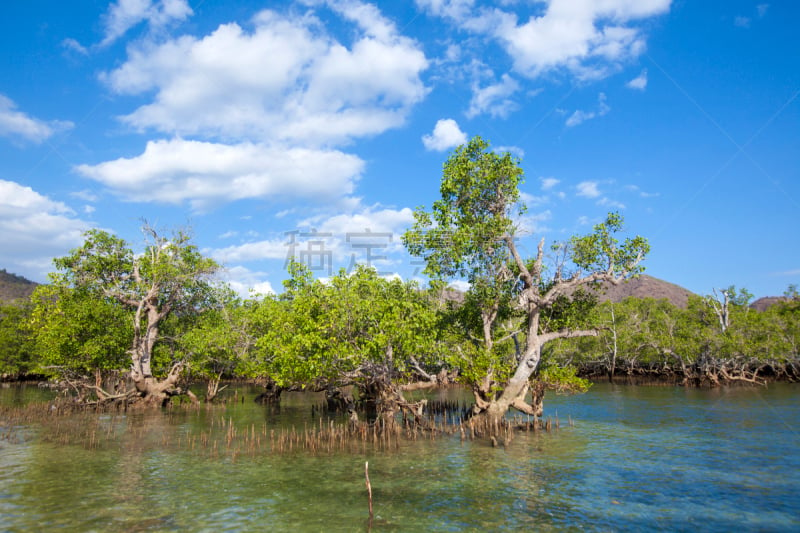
(271, 395)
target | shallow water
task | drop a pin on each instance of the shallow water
(637, 458)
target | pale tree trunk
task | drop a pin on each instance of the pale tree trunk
(614, 346)
(516, 389)
(149, 388)
(721, 308)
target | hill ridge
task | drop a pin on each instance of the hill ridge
(15, 287)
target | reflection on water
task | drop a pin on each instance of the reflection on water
(638, 458)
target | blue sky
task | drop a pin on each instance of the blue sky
(315, 127)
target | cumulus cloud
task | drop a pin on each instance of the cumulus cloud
(18, 125)
(371, 219)
(446, 134)
(608, 202)
(590, 39)
(204, 173)
(34, 229)
(283, 80)
(534, 223)
(532, 200)
(460, 285)
(639, 82)
(580, 116)
(367, 235)
(125, 14)
(247, 283)
(588, 189)
(548, 183)
(516, 151)
(259, 112)
(495, 99)
(277, 248)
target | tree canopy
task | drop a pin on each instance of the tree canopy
(472, 231)
(105, 278)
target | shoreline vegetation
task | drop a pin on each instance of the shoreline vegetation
(117, 326)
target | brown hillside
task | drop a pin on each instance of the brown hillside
(646, 287)
(642, 287)
(762, 304)
(13, 287)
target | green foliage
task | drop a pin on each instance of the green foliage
(573, 312)
(651, 333)
(328, 331)
(171, 269)
(104, 297)
(740, 297)
(791, 292)
(462, 234)
(76, 332)
(563, 379)
(215, 340)
(470, 232)
(601, 251)
(16, 350)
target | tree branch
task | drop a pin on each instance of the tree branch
(567, 334)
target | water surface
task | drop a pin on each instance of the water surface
(636, 458)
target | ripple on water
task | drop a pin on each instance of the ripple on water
(637, 459)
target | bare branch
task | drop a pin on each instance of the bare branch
(567, 334)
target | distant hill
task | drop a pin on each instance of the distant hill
(14, 287)
(645, 287)
(762, 304)
(642, 287)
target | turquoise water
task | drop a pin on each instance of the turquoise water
(637, 458)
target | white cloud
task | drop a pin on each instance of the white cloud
(548, 183)
(263, 108)
(588, 38)
(125, 14)
(75, 46)
(252, 251)
(588, 189)
(247, 283)
(331, 242)
(516, 151)
(746, 22)
(366, 219)
(795, 272)
(530, 200)
(34, 229)
(494, 99)
(446, 134)
(203, 173)
(534, 223)
(741, 22)
(459, 285)
(636, 189)
(85, 194)
(16, 124)
(580, 116)
(607, 202)
(639, 82)
(283, 80)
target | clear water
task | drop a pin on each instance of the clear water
(637, 458)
